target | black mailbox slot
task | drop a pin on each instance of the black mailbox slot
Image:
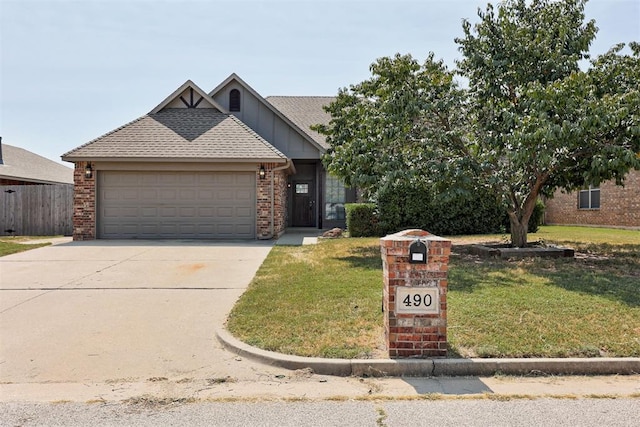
(417, 253)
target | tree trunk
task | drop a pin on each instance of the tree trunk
(519, 230)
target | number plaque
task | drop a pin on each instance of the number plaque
(412, 300)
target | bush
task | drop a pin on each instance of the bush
(404, 206)
(362, 220)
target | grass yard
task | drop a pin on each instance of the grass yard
(12, 245)
(325, 300)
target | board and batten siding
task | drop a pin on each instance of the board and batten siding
(36, 210)
(268, 125)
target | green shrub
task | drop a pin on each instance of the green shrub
(403, 206)
(362, 220)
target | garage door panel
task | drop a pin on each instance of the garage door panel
(168, 178)
(188, 195)
(130, 212)
(168, 195)
(130, 194)
(224, 212)
(225, 179)
(244, 212)
(206, 229)
(188, 179)
(244, 229)
(148, 212)
(246, 179)
(168, 212)
(188, 212)
(148, 194)
(225, 195)
(244, 195)
(147, 178)
(176, 204)
(168, 229)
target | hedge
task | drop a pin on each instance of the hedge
(473, 212)
(362, 220)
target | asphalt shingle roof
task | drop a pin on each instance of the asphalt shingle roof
(22, 165)
(180, 133)
(305, 111)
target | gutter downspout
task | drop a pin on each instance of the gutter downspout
(273, 208)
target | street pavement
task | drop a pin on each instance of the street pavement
(136, 321)
(371, 413)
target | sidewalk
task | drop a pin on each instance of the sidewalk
(299, 237)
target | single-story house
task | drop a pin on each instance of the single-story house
(36, 194)
(224, 164)
(21, 167)
(607, 205)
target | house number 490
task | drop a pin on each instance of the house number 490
(417, 300)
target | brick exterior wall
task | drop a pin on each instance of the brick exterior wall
(619, 206)
(415, 335)
(84, 203)
(263, 199)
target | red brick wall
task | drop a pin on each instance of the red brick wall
(280, 221)
(84, 203)
(263, 195)
(414, 335)
(619, 206)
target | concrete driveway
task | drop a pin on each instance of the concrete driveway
(109, 311)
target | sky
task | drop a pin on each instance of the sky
(72, 70)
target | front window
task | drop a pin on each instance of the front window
(589, 198)
(334, 199)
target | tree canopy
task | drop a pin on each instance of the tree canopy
(530, 121)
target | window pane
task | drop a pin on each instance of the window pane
(595, 199)
(583, 199)
(302, 188)
(334, 198)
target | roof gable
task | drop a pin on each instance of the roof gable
(189, 95)
(303, 133)
(187, 126)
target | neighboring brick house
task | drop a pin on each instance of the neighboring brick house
(607, 205)
(228, 164)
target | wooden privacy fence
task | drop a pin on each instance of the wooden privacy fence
(36, 210)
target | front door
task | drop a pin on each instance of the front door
(303, 204)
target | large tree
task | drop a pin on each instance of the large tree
(390, 127)
(530, 122)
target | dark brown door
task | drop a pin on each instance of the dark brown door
(303, 204)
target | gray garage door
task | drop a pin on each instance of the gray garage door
(176, 205)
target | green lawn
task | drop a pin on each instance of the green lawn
(325, 300)
(12, 245)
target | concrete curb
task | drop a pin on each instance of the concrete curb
(435, 367)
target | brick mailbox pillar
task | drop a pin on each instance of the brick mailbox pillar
(415, 265)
